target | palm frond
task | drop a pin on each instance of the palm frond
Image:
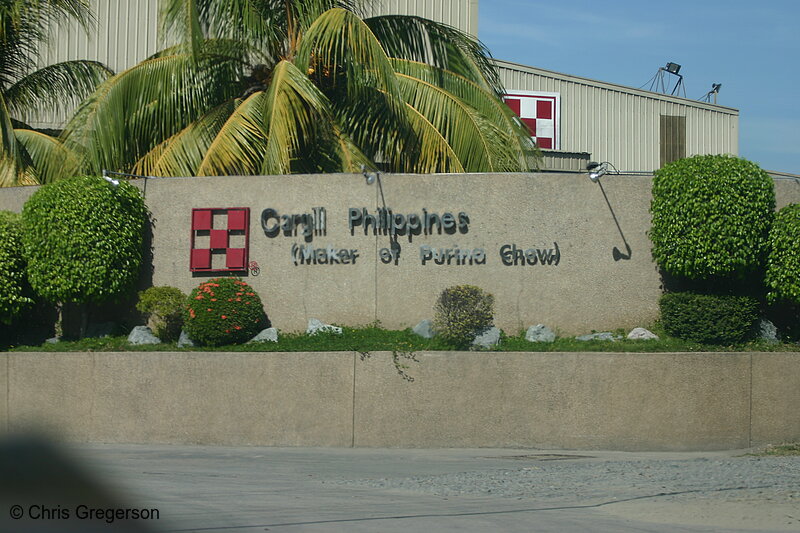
(469, 135)
(273, 130)
(25, 25)
(509, 134)
(56, 87)
(239, 147)
(179, 19)
(339, 49)
(182, 154)
(10, 157)
(50, 159)
(134, 111)
(435, 153)
(419, 39)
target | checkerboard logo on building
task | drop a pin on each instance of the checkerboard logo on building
(541, 112)
(220, 239)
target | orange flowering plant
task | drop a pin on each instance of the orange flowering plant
(224, 311)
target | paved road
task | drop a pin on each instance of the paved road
(224, 489)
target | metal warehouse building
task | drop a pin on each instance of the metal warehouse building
(573, 119)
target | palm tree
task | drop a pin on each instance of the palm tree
(26, 155)
(287, 86)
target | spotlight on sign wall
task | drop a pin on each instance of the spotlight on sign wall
(597, 170)
(112, 181)
(369, 176)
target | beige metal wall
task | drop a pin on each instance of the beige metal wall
(558, 160)
(126, 33)
(462, 14)
(621, 124)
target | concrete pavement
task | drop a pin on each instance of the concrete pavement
(219, 489)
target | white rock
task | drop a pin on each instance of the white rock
(142, 335)
(540, 333)
(425, 329)
(642, 334)
(765, 330)
(266, 335)
(185, 341)
(315, 326)
(487, 338)
(603, 336)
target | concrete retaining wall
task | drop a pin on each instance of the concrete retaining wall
(623, 401)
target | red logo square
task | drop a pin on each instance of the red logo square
(212, 229)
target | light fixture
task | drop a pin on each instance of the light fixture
(597, 170)
(715, 87)
(369, 176)
(109, 179)
(673, 68)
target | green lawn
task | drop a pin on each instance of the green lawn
(375, 338)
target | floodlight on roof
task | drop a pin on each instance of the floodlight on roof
(657, 82)
(715, 87)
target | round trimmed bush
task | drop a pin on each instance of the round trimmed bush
(82, 238)
(15, 294)
(164, 307)
(711, 216)
(783, 263)
(708, 318)
(461, 312)
(224, 311)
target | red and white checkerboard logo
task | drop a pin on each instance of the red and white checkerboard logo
(220, 239)
(541, 112)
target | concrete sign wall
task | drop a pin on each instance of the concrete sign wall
(553, 248)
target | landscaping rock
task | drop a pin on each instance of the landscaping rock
(142, 335)
(315, 326)
(603, 336)
(641, 334)
(53, 340)
(487, 338)
(540, 333)
(425, 329)
(766, 331)
(266, 335)
(184, 341)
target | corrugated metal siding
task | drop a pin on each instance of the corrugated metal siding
(564, 161)
(620, 124)
(125, 34)
(462, 14)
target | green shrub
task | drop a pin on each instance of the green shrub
(224, 311)
(783, 263)
(165, 307)
(710, 319)
(14, 291)
(461, 312)
(82, 238)
(711, 216)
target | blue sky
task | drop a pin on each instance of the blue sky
(752, 48)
